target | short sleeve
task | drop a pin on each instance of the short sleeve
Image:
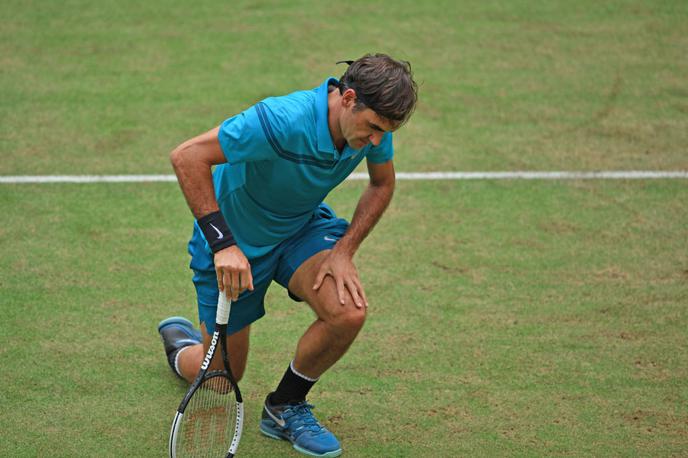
(383, 152)
(242, 138)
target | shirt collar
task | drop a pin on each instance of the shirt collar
(325, 143)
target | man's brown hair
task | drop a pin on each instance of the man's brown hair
(383, 84)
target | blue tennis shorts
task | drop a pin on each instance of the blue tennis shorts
(321, 233)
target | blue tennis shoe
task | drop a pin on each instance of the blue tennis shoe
(176, 333)
(296, 423)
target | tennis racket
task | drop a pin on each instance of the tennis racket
(210, 418)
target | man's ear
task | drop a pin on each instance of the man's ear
(349, 98)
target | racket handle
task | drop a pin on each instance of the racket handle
(223, 306)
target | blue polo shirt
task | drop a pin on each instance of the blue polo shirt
(281, 164)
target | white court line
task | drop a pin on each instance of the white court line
(86, 178)
(518, 175)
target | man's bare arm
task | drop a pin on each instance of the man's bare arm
(370, 207)
(192, 162)
(372, 204)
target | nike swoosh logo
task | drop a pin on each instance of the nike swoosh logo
(330, 239)
(219, 234)
(279, 421)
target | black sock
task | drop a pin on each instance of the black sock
(293, 387)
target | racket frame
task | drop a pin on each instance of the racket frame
(219, 337)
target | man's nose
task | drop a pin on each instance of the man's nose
(375, 138)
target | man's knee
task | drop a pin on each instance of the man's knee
(353, 318)
(346, 318)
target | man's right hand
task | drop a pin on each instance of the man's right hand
(233, 272)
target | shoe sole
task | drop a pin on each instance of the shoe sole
(273, 434)
(182, 322)
(174, 320)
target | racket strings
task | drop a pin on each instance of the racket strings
(209, 420)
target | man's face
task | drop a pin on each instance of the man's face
(360, 127)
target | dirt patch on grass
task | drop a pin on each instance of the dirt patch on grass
(558, 227)
(651, 422)
(611, 273)
(451, 269)
(652, 370)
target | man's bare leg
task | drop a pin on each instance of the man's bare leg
(286, 414)
(336, 326)
(192, 356)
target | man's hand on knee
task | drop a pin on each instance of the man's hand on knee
(341, 268)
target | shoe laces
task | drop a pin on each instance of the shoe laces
(300, 419)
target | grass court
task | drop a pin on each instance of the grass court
(507, 318)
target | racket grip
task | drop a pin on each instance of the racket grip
(223, 306)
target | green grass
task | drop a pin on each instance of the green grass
(501, 322)
(508, 318)
(113, 86)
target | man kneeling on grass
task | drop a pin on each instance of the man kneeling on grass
(260, 217)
